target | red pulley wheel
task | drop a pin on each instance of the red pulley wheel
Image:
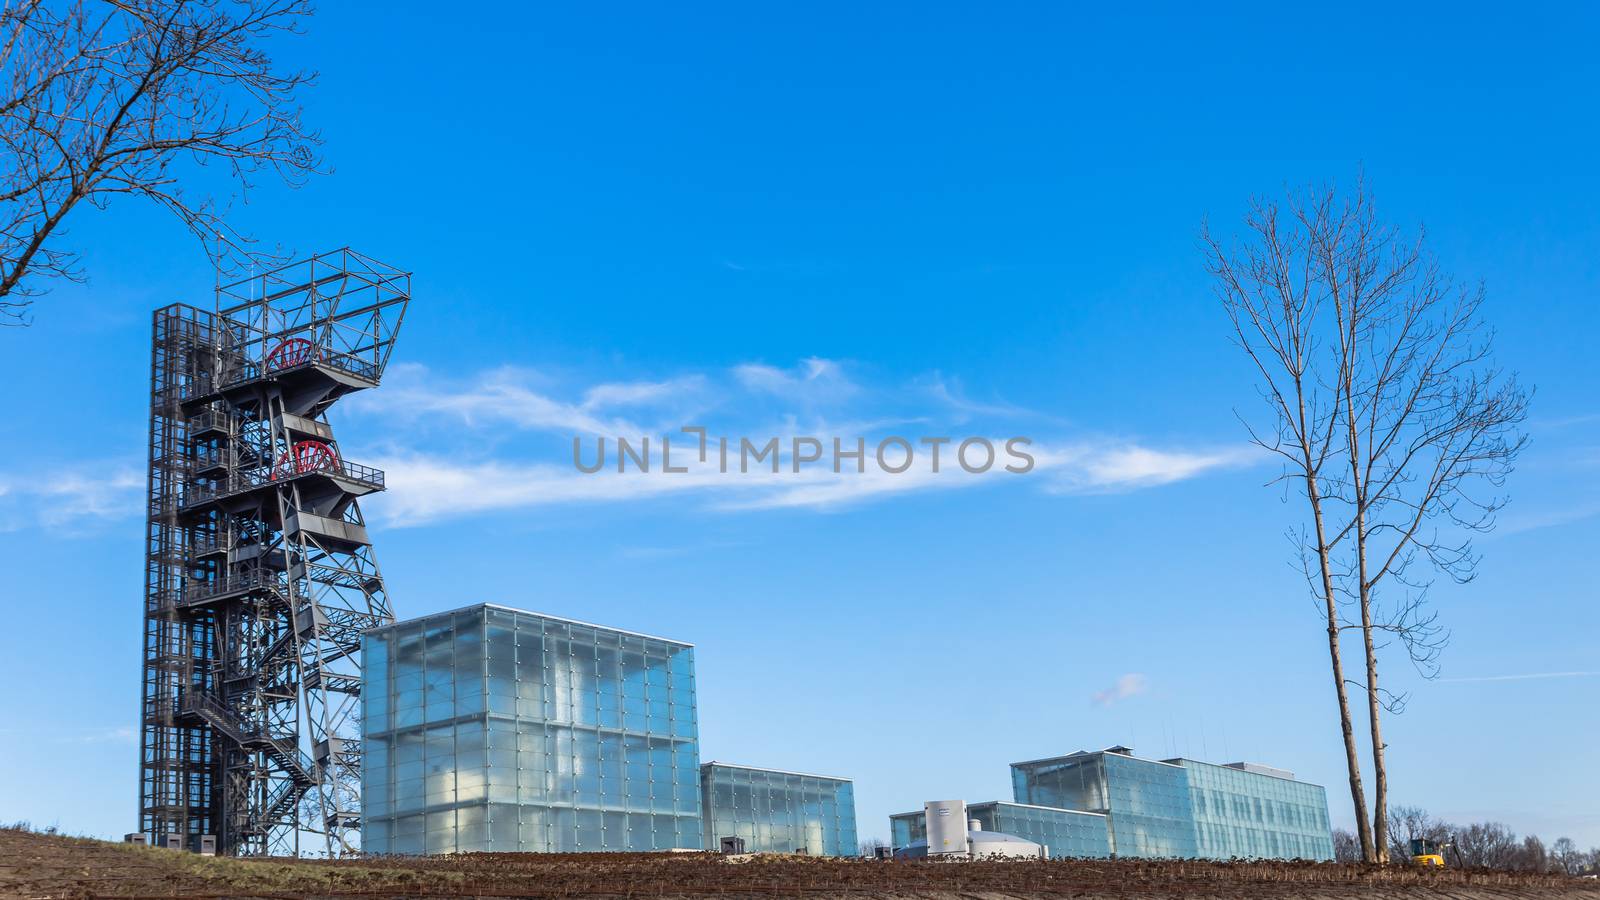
(288, 354)
(306, 456)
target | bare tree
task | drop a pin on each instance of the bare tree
(1567, 857)
(1269, 290)
(1407, 823)
(133, 97)
(1490, 845)
(1429, 428)
(1346, 848)
(1390, 418)
(1532, 856)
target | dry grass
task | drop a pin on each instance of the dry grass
(37, 865)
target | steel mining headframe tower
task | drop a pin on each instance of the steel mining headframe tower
(260, 578)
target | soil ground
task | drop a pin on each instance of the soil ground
(38, 865)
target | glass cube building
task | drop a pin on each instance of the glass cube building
(490, 728)
(1063, 832)
(1147, 803)
(776, 811)
(1252, 811)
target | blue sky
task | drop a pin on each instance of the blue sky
(832, 219)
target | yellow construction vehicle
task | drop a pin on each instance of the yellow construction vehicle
(1427, 852)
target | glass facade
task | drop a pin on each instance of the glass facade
(779, 812)
(906, 829)
(1147, 802)
(1246, 814)
(490, 728)
(1064, 832)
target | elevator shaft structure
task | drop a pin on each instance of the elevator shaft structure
(260, 577)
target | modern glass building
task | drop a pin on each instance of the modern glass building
(776, 811)
(1147, 803)
(1063, 832)
(906, 828)
(1252, 811)
(490, 728)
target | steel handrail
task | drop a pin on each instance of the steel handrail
(249, 579)
(225, 457)
(194, 701)
(211, 419)
(251, 370)
(204, 545)
(264, 476)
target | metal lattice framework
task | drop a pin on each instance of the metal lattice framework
(259, 574)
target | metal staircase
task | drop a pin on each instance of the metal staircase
(260, 574)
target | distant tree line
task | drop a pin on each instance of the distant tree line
(1490, 845)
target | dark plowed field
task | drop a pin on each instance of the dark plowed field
(34, 865)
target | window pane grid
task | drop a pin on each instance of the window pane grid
(505, 730)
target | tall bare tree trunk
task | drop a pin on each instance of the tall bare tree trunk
(1347, 312)
(1274, 315)
(1358, 794)
(1380, 769)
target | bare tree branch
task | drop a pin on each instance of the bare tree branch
(104, 98)
(1399, 429)
(1268, 288)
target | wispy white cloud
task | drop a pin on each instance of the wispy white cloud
(782, 268)
(814, 380)
(632, 393)
(424, 487)
(521, 398)
(73, 499)
(1130, 466)
(121, 734)
(1130, 685)
(1566, 421)
(648, 552)
(475, 462)
(952, 395)
(500, 395)
(1529, 676)
(1533, 520)
(752, 399)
